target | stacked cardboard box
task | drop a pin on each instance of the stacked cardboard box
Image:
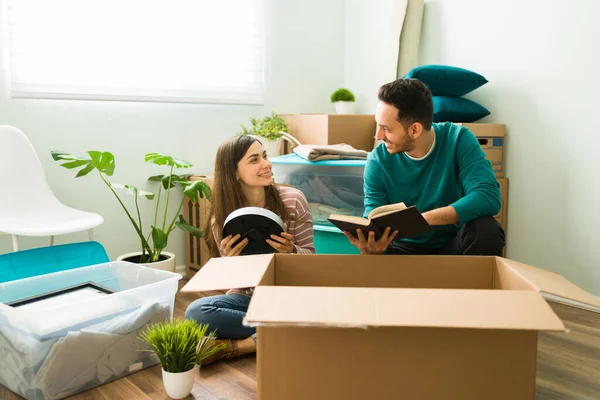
(491, 137)
(502, 216)
(356, 130)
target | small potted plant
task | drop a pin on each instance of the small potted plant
(343, 100)
(180, 345)
(271, 131)
(153, 243)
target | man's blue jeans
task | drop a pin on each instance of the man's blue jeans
(223, 313)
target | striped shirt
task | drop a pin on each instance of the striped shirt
(301, 226)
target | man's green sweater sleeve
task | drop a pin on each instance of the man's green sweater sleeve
(480, 186)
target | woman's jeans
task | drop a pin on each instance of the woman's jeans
(223, 313)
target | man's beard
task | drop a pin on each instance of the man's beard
(406, 145)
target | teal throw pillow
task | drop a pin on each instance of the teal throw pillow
(457, 109)
(445, 80)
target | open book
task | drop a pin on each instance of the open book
(408, 221)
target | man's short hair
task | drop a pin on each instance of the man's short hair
(412, 99)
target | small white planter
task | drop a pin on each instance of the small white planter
(272, 147)
(166, 265)
(344, 107)
(179, 385)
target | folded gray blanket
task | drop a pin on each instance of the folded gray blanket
(340, 151)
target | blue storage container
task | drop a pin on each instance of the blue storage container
(330, 187)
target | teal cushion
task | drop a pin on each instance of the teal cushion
(444, 80)
(457, 109)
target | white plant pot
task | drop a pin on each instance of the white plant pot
(179, 385)
(273, 147)
(344, 107)
(166, 265)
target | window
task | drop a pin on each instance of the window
(209, 51)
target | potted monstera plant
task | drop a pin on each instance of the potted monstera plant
(153, 239)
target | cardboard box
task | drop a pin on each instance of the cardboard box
(384, 327)
(196, 250)
(491, 137)
(357, 130)
(502, 216)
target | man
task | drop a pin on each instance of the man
(439, 168)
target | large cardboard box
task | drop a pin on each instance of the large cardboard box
(196, 214)
(388, 327)
(357, 130)
(491, 137)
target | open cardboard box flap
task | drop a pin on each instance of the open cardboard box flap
(372, 307)
(555, 285)
(222, 273)
(412, 291)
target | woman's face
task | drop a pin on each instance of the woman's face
(254, 169)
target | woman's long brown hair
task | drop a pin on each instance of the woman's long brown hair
(227, 193)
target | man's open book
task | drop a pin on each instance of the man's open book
(408, 221)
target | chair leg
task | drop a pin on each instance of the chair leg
(15, 241)
(91, 234)
(51, 243)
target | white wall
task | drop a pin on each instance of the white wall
(542, 62)
(306, 66)
(372, 32)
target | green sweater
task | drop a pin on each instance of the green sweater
(455, 173)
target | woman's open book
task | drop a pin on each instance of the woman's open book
(408, 221)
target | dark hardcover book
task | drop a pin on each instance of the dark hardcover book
(408, 221)
(255, 224)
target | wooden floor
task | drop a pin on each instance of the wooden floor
(568, 367)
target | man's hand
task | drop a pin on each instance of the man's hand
(226, 246)
(370, 245)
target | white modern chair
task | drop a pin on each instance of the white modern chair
(27, 205)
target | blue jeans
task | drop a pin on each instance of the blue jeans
(223, 313)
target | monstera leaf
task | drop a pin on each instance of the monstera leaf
(196, 190)
(170, 181)
(102, 161)
(132, 190)
(163, 159)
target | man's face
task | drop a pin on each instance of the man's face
(391, 131)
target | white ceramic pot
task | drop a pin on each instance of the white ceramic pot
(179, 385)
(344, 107)
(273, 147)
(167, 264)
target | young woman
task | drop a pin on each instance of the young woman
(243, 178)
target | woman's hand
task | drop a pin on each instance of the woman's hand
(283, 243)
(226, 246)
